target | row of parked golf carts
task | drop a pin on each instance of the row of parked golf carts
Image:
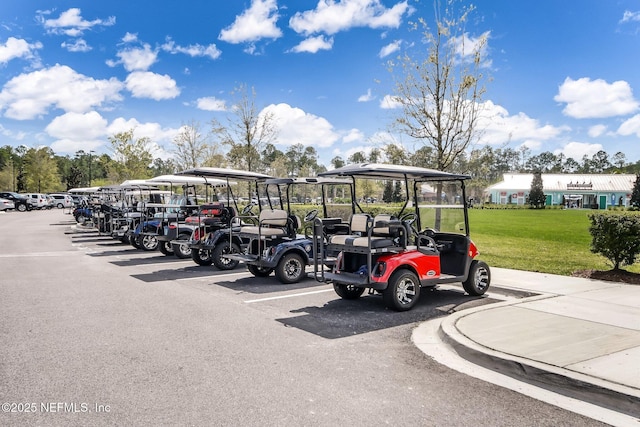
(221, 218)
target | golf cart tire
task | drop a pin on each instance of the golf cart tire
(136, 241)
(290, 269)
(221, 249)
(202, 257)
(166, 248)
(403, 290)
(348, 291)
(182, 251)
(149, 243)
(478, 280)
(259, 271)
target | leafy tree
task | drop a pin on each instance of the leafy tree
(619, 159)
(41, 171)
(616, 236)
(132, 157)
(537, 199)
(635, 193)
(163, 167)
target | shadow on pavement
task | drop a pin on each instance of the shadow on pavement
(342, 318)
(265, 285)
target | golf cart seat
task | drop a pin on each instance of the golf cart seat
(359, 225)
(271, 223)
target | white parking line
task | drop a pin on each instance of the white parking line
(216, 276)
(288, 296)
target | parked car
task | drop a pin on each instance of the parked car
(20, 201)
(62, 200)
(37, 200)
(6, 204)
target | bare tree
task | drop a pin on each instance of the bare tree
(440, 89)
(248, 130)
(192, 148)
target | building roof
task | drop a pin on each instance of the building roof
(568, 182)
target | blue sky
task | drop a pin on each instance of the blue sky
(564, 74)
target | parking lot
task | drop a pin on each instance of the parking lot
(92, 323)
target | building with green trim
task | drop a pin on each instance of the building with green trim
(593, 191)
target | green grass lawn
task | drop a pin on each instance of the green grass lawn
(550, 240)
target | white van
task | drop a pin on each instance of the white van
(62, 200)
(37, 200)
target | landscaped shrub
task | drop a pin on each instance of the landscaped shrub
(616, 236)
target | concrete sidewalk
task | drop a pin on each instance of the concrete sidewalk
(578, 337)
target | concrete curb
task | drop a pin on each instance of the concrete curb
(593, 390)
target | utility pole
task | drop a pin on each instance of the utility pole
(90, 153)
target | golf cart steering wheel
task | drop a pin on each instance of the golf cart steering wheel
(311, 215)
(247, 209)
(410, 219)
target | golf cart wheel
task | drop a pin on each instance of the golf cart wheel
(165, 247)
(136, 241)
(348, 291)
(149, 243)
(259, 271)
(478, 280)
(290, 269)
(218, 255)
(202, 257)
(183, 250)
(403, 291)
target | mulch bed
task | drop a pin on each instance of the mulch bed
(622, 276)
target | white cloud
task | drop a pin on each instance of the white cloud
(313, 44)
(333, 17)
(193, 50)
(145, 84)
(136, 58)
(389, 49)
(597, 130)
(298, 127)
(499, 127)
(211, 103)
(629, 16)
(577, 150)
(18, 48)
(389, 102)
(29, 95)
(586, 98)
(77, 131)
(255, 23)
(630, 126)
(78, 45)
(366, 97)
(72, 24)
(130, 37)
(352, 136)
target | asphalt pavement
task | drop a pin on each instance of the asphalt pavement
(578, 337)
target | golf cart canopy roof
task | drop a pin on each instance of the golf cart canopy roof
(382, 171)
(223, 173)
(186, 180)
(318, 180)
(125, 186)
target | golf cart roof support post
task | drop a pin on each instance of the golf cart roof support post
(466, 208)
(415, 203)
